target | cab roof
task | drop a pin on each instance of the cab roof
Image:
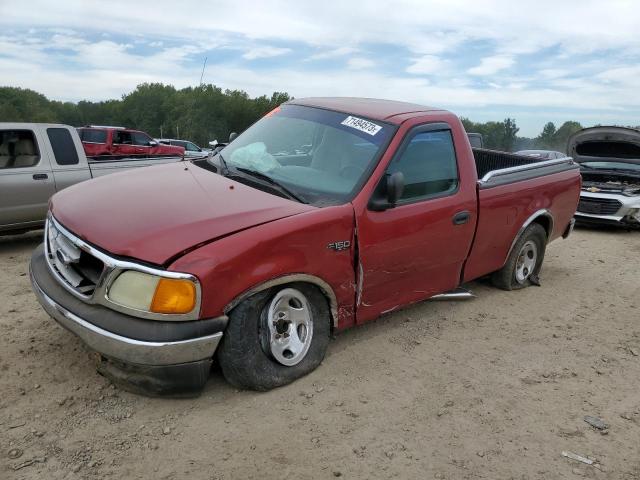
(390, 111)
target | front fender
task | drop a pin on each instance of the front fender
(294, 248)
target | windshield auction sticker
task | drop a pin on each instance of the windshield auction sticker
(362, 125)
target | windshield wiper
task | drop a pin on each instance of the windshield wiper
(223, 163)
(282, 188)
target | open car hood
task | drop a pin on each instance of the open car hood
(605, 144)
(155, 214)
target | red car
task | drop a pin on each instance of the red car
(119, 141)
(325, 214)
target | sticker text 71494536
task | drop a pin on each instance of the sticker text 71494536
(362, 125)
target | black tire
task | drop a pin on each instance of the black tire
(243, 355)
(505, 278)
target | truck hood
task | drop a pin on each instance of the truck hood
(605, 144)
(154, 214)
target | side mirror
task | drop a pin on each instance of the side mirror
(232, 136)
(395, 187)
(153, 143)
(388, 193)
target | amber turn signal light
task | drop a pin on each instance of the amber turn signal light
(174, 296)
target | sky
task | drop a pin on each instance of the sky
(535, 61)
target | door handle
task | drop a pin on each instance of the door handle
(461, 218)
(40, 176)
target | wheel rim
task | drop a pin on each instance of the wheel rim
(526, 262)
(290, 326)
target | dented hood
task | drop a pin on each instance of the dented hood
(605, 144)
(154, 214)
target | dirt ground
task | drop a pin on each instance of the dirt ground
(494, 388)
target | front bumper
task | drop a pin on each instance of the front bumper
(150, 356)
(628, 213)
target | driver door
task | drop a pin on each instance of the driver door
(142, 143)
(418, 248)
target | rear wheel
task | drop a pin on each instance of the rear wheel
(275, 337)
(525, 260)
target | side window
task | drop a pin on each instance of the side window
(18, 149)
(191, 147)
(63, 147)
(122, 137)
(141, 139)
(429, 166)
(91, 135)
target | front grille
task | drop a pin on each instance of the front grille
(77, 268)
(599, 206)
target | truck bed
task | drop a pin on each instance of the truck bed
(499, 168)
(512, 190)
(489, 160)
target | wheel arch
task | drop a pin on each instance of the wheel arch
(323, 286)
(543, 217)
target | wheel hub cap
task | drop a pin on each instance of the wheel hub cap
(290, 326)
(526, 262)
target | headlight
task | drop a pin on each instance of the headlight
(152, 293)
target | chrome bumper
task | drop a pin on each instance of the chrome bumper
(629, 211)
(125, 349)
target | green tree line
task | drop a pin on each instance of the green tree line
(200, 114)
(504, 135)
(207, 112)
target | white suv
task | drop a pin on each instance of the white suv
(190, 148)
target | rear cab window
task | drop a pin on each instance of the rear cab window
(18, 149)
(428, 162)
(64, 150)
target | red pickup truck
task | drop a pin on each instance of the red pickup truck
(324, 214)
(101, 141)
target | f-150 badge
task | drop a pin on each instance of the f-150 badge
(338, 246)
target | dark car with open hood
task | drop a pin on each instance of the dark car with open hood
(609, 159)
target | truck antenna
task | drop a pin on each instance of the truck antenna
(203, 67)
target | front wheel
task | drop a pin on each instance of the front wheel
(525, 260)
(275, 337)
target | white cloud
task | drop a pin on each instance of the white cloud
(426, 65)
(360, 63)
(333, 53)
(569, 55)
(492, 65)
(264, 52)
